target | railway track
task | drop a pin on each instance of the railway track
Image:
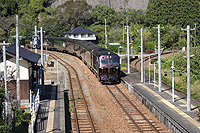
(81, 118)
(135, 117)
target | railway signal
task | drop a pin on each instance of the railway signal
(132, 37)
(173, 70)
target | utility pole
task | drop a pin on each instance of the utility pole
(128, 56)
(5, 79)
(17, 62)
(142, 61)
(188, 69)
(159, 58)
(105, 35)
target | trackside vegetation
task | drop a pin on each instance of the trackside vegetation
(170, 14)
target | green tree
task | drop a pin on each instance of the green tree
(102, 12)
(170, 36)
(6, 25)
(29, 14)
(75, 12)
(100, 29)
(8, 7)
(133, 16)
(174, 12)
(66, 17)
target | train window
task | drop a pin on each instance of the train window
(114, 60)
(104, 61)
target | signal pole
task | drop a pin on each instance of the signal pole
(42, 59)
(35, 39)
(188, 68)
(159, 58)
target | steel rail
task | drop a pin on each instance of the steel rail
(74, 104)
(136, 125)
(137, 109)
(87, 109)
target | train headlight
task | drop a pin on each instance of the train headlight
(116, 67)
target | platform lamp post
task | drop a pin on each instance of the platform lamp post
(188, 69)
(5, 78)
(159, 59)
(119, 48)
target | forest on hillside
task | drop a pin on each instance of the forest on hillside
(172, 15)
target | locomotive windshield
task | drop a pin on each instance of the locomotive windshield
(104, 61)
(114, 60)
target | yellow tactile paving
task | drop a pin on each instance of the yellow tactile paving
(50, 121)
(175, 96)
(172, 106)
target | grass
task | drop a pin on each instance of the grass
(180, 81)
(123, 66)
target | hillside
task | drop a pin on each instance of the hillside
(116, 4)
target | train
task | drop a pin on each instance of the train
(102, 62)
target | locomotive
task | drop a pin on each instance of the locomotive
(102, 62)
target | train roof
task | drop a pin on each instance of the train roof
(97, 50)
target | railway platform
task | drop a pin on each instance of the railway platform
(50, 117)
(172, 114)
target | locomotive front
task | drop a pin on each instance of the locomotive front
(109, 68)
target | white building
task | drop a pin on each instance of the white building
(81, 34)
(28, 64)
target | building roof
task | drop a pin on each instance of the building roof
(79, 30)
(24, 53)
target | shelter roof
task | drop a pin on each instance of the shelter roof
(24, 53)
